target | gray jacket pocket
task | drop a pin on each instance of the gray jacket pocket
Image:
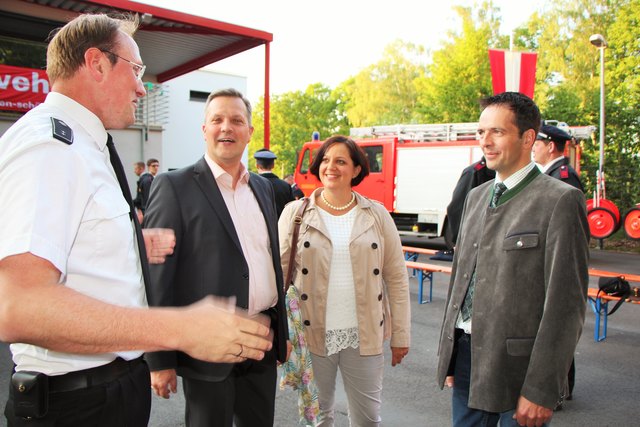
(520, 241)
(520, 346)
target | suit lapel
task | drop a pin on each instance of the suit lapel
(209, 187)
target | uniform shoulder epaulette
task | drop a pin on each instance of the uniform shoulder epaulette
(62, 131)
(480, 166)
(564, 172)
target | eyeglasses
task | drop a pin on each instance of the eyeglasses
(138, 69)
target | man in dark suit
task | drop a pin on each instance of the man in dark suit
(516, 301)
(227, 245)
(265, 161)
(472, 176)
(295, 190)
(548, 152)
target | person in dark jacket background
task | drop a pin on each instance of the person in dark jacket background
(473, 175)
(297, 192)
(265, 160)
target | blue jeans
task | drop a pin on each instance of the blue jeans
(463, 416)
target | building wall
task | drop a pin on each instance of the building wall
(132, 147)
(183, 141)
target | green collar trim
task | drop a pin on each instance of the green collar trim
(512, 192)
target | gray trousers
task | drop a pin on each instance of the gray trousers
(362, 378)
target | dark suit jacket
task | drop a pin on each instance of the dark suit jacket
(208, 258)
(281, 189)
(472, 176)
(564, 172)
(143, 188)
(297, 192)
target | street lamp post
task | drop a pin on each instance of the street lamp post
(599, 42)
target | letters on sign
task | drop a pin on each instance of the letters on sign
(21, 89)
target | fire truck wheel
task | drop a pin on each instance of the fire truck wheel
(602, 223)
(632, 223)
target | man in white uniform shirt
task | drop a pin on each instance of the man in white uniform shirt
(72, 298)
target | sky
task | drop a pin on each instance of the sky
(328, 41)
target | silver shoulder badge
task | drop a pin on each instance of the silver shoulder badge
(62, 131)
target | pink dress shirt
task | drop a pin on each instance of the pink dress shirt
(253, 235)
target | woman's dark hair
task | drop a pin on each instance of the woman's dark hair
(356, 153)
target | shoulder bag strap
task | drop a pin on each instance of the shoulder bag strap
(297, 220)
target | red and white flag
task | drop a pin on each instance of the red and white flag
(513, 71)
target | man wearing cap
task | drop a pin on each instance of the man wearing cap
(548, 153)
(264, 162)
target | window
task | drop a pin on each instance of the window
(198, 96)
(374, 154)
(306, 161)
(23, 53)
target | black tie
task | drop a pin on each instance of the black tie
(498, 191)
(124, 186)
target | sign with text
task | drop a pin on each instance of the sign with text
(21, 89)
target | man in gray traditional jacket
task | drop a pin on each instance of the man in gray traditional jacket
(518, 291)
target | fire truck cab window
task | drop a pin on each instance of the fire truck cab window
(374, 154)
(306, 160)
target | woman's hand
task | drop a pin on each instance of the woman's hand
(397, 354)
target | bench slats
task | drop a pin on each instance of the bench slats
(599, 304)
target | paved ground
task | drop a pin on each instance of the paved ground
(607, 372)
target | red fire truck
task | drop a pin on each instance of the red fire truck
(414, 168)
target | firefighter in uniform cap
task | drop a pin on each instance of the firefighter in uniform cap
(548, 153)
(265, 160)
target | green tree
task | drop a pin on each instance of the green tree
(294, 117)
(459, 74)
(623, 97)
(568, 82)
(385, 92)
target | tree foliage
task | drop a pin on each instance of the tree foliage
(459, 74)
(294, 117)
(385, 92)
(402, 88)
(623, 80)
(568, 82)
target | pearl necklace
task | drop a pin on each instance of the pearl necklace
(339, 208)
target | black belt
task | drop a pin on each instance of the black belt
(92, 377)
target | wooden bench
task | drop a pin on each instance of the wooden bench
(411, 253)
(425, 271)
(600, 303)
